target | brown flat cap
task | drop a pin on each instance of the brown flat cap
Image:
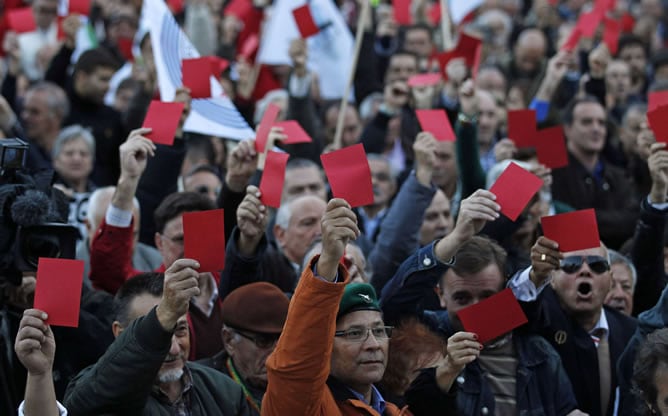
(256, 307)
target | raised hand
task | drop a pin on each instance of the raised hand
(658, 169)
(463, 348)
(252, 221)
(134, 153)
(424, 149)
(474, 212)
(241, 165)
(35, 345)
(339, 225)
(504, 149)
(181, 284)
(545, 259)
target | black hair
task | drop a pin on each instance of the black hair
(176, 204)
(629, 40)
(200, 147)
(568, 115)
(653, 353)
(93, 59)
(141, 284)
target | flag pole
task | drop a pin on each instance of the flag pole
(446, 26)
(361, 22)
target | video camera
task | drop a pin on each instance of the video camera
(32, 215)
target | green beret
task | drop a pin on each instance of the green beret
(358, 297)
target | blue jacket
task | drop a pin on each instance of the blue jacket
(537, 360)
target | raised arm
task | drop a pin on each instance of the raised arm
(298, 368)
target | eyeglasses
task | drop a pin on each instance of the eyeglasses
(361, 334)
(260, 340)
(597, 264)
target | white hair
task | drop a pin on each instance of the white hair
(615, 257)
(97, 203)
(71, 133)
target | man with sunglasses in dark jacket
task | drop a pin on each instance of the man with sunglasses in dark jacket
(563, 295)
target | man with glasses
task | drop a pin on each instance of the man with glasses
(253, 318)
(334, 345)
(563, 296)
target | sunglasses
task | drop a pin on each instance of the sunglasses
(597, 264)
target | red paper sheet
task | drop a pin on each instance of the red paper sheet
(349, 175)
(588, 23)
(514, 189)
(273, 178)
(81, 7)
(658, 122)
(551, 147)
(611, 34)
(424, 80)
(522, 127)
(436, 122)
(21, 20)
(125, 47)
(218, 65)
(249, 47)
(573, 231)
(476, 62)
(493, 317)
(196, 76)
(204, 239)
(656, 100)
(402, 12)
(264, 127)
(163, 118)
(294, 131)
(58, 290)
(572, 41)
(305, 22)
(466, 48)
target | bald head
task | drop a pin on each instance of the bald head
(530, 50)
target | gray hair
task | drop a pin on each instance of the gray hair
(284, 214)
(497, 169)
(615, 257)
(99, 200)
(483, 21)
(56, 99)
(71, 133)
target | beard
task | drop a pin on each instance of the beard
(169, 376)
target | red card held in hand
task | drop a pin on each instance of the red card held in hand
(268, 119)
(551, 147)
(294, 131)
(493, 317)
(522, 127)
(58, 290)
(273, 178)
(164, 119)
(658, 122)
(402, 12)
(657, 99)
(514, 189)
(21, 20)
(305, 22)
(81, 7)
(436, 122)
(349, 175)
(204, 239)
(196, 77)
(573, 231)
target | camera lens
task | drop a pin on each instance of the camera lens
(36, 246)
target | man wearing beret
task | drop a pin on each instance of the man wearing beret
(334, 345)
(253, 318)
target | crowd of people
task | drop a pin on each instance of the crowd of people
(322, 308)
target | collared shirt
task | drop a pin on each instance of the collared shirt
(377, 401)
(181, 405)
(212, 300)
(602, 324)
(372, 223)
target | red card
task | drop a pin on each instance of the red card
(164, 119)
(218, 65)
(657, 99)
(493, 317)
(424, 80)
(349, 175)
(658, 121)
(573, 231)
(294, 131)
(81, 7)
(196, 76)
(249, 47)
(204, 239)
(305, 22)
(264, 127)
(176, 6)
(58, 290)
(125, 46)
(611, 34)
(436, 122)
(21, 20)
(434, 13)
(551, 147)
(572, 41)
(476, 62)
(466, 48)
(514, 189)
(402, 12)
(273, 178)
(522, 127)
(588, 23)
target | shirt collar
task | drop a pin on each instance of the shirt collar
(377, 401)
(602, 324)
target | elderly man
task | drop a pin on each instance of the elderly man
(253, 318)
(145, 370)
(384, 188)
(563, 295)
(624, 278)
(251, 256)
(334, 344)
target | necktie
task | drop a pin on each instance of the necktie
(603, 352)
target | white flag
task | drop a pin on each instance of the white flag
(215, 116)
